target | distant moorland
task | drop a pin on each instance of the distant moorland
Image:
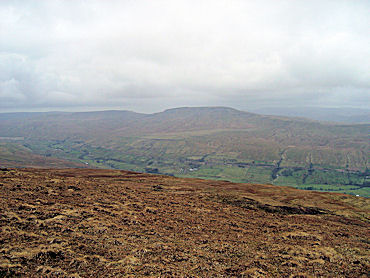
(208, 142)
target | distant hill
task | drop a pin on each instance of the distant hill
(114, 123)
(205, 142)
(343, 115)
(16, 155)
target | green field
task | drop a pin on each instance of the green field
(213, 166)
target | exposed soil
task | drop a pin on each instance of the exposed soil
(103, 223)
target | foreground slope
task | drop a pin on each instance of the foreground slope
(85, 222)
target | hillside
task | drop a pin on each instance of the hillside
(205, 142)
(85, 222)
(17, 155)
(341, 115)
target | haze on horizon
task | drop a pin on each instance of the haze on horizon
(147, 56)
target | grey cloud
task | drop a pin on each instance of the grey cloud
(150, 55)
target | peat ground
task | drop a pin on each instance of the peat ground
(107, 223)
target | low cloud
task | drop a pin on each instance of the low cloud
(151, 55)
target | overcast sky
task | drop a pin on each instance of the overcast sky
(150, 55)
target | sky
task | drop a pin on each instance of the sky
(147, 56)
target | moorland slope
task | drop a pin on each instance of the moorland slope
(110, 223)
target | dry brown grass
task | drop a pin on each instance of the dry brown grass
(84, 222)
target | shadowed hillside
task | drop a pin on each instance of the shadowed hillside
(16, 155)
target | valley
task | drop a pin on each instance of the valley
(211, 143)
